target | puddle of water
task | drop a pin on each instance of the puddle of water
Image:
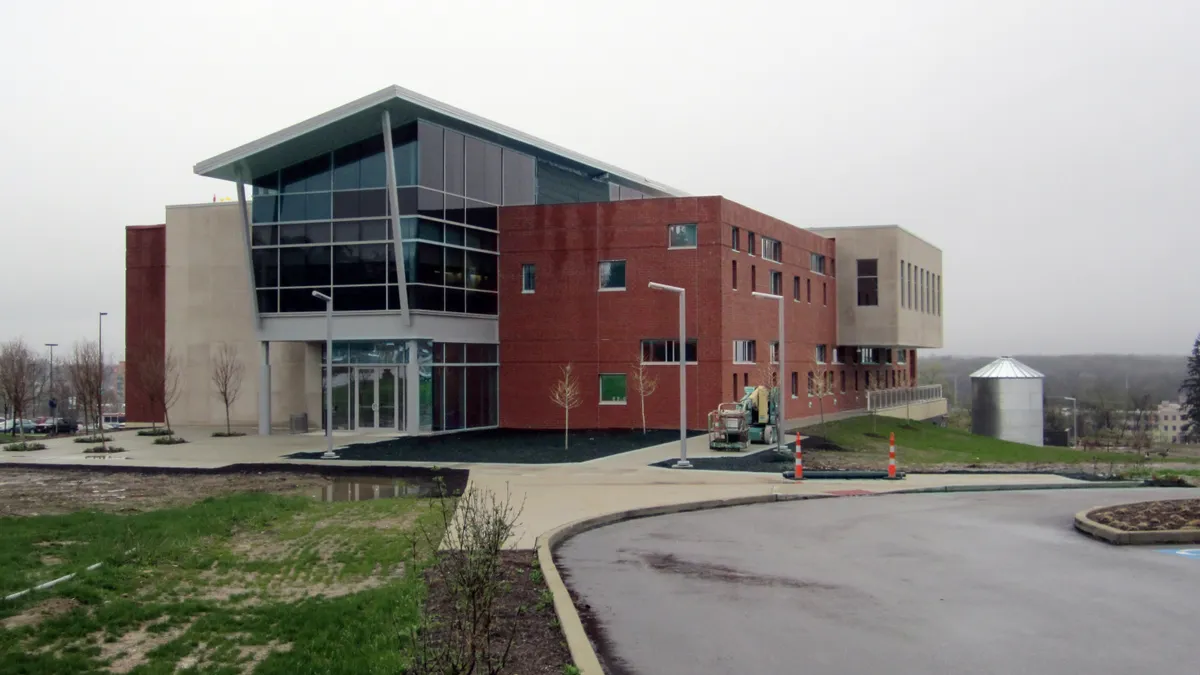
(365, 489)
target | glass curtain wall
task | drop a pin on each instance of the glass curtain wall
(348, 355)
(459, 386)
(323, 224)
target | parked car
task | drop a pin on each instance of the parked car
(55, 425)
(19, 426)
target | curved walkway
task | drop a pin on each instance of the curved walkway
(946, 583)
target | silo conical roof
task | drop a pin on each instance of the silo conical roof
(1006, 367)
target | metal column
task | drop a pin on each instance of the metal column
(264, 389)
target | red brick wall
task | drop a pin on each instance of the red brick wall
(145, 312)
(568, 320)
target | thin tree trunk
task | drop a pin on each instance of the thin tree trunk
(566, 428)
(228, 431)
(643, 415)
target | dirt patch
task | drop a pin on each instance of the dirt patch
(46, 609)
(1174, 514)
(669, 562)
(538, 647)
(129, 651)
(248, 656)
(248, 589)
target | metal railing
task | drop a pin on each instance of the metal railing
(882, 399)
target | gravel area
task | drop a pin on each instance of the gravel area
(505, 446)
(1175, 514)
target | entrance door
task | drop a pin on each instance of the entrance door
(366, 398)
(387, 397)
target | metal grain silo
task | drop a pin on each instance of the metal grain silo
(1006, 401)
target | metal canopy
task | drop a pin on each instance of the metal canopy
(359, 119)
(1006, 367)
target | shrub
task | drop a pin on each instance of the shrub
(228, 434)
(92, 439)
(157, 431)
(169, 440)
(24, 447)
(100, 449)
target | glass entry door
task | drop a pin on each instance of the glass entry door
(379, 398)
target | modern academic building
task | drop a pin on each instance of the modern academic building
(468, 262)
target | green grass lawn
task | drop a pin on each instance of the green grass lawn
(290, 583)
(924, 444)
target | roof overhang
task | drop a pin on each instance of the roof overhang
(359, 119)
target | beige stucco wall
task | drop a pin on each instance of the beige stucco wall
(887, 323)
(208, 302)
(918, 411)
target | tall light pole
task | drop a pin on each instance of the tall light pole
(51, 402)
(100, 358)
(329, 453)
(780, 442)
(683, 462)
(1074, 416)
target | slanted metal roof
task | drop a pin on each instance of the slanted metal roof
(359, 119)
(1006, 367)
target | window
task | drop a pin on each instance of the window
(843, 389)
(735, 388)
(825, 293)
(939, 295)
(745, 380)
(808, 289)
(796, 289)
(822, 353)
(910, 286)
(772, 249)
(666, 351)
(682, 235)
(816, 262)
(776, 283)
(812, 383)
(902, 302)
(735, 238)
(612, 389)
(868, 356)
(837, 355)
(868, 283)
(774, 352)
(753, 279)
(612, 275)
(528, 278)
(856, 380)
(795, 384)
(921, 289)
(901, 356)
(750, 243)
(735, 275)
(744, 351)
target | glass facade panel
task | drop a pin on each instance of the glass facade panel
(359, 298)
(454, 235)
(429, 146)
(341, 397)
(454, 162)
(268, 301)
(455, 271)
(304, 266)
(301, 300)
(481, 271)
(428, 298)
(479, 302)
(455, 300)
(482, 215)
(264, 235)
(431, 204)
(264, 209)
(479, 239)
(518, 174)
(456, 209)
(311, 175)
(266, 267)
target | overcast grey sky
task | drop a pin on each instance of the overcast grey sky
(1050, 148)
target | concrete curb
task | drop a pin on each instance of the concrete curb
(583, 653)
(1121, 537)
(1016, 486)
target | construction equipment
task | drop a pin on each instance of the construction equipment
(734, 426)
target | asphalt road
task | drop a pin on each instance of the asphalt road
(942, 583)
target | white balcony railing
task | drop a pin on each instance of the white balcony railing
(882, 399)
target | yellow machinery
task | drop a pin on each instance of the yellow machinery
(734, 426)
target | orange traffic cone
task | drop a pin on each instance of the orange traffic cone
(892, 455)
(799, 460)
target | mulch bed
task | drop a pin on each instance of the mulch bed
(516, 446)
(538, 646)
(765, 460)
(1172, 514)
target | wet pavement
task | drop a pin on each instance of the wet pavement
(942, 583)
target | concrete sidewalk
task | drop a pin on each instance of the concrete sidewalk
(552, 494)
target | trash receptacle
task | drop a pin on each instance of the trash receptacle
(298, 423)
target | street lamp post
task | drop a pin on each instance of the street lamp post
(100, 358)
(1074, 416)
(780, 441)
(51, 403)
(329, 453)
(683, 462)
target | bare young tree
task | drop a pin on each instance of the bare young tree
(821, 386)
(159, 381)
(20, 378)
(85, 372)
(645, 383)
(172, 370)
(565, 394)
(227, 373)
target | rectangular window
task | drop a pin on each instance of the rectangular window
(922, 290)
(612, 275)
(772, 249)
(901, 356)
(856, 380)
(812, 383)
(843, 388)
(735, 238)
(612, 389)
(774, 352)
(744, 351)
(825, 293)
(868, 356)
(776, 283)
(868, 283)
(816, 262)
(750, 243)
(795, 384)
(902, 303)
(939, 295)
(682, 235)
(910, 286)
(735, 275)
(735, 388)
(753, 279)
(822, 353)
(808, 289)
(528, 278)
(666, 351)
(837, 354)
(796, 289)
